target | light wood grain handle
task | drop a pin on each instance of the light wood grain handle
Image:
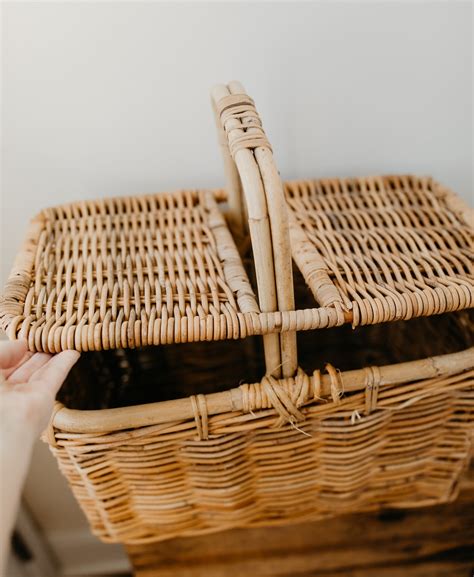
(252, 175)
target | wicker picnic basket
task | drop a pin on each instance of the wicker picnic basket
(217, 427)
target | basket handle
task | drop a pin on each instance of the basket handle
(251, 174)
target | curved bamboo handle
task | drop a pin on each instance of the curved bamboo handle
(251, 173)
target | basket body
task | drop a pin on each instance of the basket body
(403, 445)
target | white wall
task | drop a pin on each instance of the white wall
(112, 98)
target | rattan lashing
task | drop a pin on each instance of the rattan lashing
(162, 269)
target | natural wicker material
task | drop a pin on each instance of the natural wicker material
(125, 272)
(392, 246)
(204, 453)
(399, 436)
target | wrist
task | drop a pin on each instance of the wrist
(16, 432)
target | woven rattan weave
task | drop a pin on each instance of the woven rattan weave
(211, 430)
(128, 271)
(393, 246)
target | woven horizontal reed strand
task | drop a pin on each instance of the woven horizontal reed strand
(161, 481)
(394, 246)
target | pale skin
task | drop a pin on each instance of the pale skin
(29, 383)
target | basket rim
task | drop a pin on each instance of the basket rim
(136, 416)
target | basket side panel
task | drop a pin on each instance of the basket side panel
(406, 448)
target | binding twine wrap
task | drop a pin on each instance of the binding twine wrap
(285, 396)
(371, 388)
(247, 132)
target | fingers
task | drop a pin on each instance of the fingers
(24, 372)
(11, 353)
(52, 374)
(25, 358)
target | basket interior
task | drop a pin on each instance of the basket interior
(137, 376)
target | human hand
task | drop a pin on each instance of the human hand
(28, 386)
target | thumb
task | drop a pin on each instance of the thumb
(52, 375)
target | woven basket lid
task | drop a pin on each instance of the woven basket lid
(125, 272)
(157, 269)
(390, 248)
